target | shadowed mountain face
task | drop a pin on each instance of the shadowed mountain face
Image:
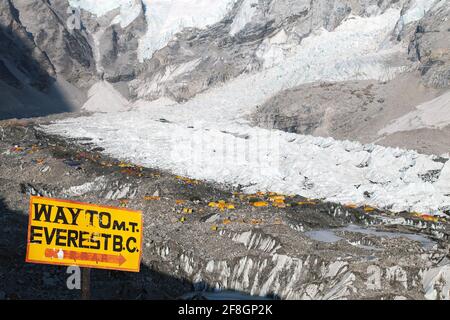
(44, 67)
(18, 51)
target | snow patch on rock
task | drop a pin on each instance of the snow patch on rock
(434, 114)
(98, 7)
(165, 18)
(102, 97)
(76, 191)
(129, 9)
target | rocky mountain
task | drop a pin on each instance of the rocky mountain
(177, 53)
(45, 66)
(430, 46)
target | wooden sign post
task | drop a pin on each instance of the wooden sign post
(85, 283)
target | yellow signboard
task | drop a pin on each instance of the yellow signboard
(70, 233)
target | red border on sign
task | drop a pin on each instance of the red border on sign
(27, 259)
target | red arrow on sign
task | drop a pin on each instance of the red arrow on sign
(85, 256)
